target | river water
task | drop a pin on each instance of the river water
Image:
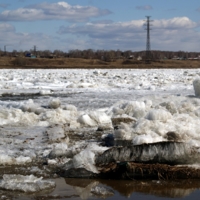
(75, 189)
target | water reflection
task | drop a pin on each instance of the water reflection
(76, 189)
(106, 188)
(90, 188)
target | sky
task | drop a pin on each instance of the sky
(99, 25)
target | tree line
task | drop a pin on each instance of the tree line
(106, 55)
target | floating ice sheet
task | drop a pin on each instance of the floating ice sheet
(28, 184)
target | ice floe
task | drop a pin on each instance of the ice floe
(66, 119)
(26, 184)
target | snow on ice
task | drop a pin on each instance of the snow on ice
(61, 116)
(28, 184)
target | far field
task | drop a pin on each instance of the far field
(23, 63)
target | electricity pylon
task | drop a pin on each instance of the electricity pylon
(148, 44)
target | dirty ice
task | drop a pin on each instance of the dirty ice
(63, 117)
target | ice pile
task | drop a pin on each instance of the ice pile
(47, 82)
(28, 184)
(154, 122)
(96, 118)
(6, 159)
(150, 106)
(164, 152)
(85, 159)
(29, 113)
(30, 132)
(196, 85)
(57, 133)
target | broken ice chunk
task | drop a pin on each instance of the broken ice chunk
(26, 184)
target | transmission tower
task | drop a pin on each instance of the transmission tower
(35, 50)
(148, 45)
(5, 49)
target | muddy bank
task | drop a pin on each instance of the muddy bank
(80, 63)
(135, 171)
(131, 170)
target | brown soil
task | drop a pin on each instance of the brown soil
(131, 170)
(56, 63)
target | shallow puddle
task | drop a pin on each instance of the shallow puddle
(115, 189)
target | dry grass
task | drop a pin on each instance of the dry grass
(20, 62)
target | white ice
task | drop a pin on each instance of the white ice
(39, 107)
(86, 158)
(28, 184)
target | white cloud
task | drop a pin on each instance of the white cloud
(24, 41)
(167, 34)
(6, 28)
(102, 30)
(53, 11)
(146, 7)
(175, 23)
(4, 5)
(198, 9)
(105, 30)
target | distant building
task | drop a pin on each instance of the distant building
(131, 57)
(30, 55)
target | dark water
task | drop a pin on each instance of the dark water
(75, 189)
(154, 190)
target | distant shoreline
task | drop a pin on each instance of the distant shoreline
(79, 63)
